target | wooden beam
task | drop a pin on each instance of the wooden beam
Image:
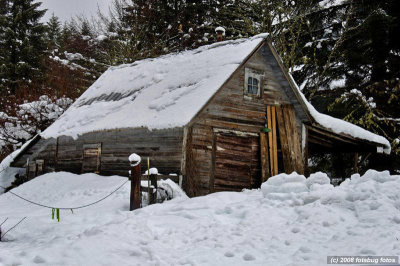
(211, 185)
(270, 147)
(298, 159)
(355, 162)
(265, 174)
(287, 164)
(274, 140)
(306, 168)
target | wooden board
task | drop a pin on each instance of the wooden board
(265, 173)
(287, 164)
(290, 141)
(236, 162)
(274, 140)
(91, 158)
(270, 142)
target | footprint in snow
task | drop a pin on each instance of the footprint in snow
(39, 260)
(229, 254)
(295, 230)
(248, 257)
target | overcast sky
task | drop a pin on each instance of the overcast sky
(65, 9)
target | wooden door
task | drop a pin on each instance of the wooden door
(91, 158)
(290, 139)
(237, 163)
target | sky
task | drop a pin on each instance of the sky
(65, 9)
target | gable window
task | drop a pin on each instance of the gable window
(252, 83)
(252, 86)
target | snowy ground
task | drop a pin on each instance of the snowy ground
(289, 221)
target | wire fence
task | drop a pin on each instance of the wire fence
(66, 208)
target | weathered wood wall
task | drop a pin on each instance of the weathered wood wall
(44, 149)
(164, 147)
(230, 110)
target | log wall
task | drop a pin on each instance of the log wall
(164, 147)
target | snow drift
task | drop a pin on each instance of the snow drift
(291, 220)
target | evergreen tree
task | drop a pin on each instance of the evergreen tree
(53, 32)
(23, 44)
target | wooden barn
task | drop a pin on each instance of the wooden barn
(225, 116)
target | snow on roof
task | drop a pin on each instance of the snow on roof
(340, 126)
(163, 92)
(168, 91)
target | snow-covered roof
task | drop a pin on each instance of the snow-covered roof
(164, 92)
(340, 126)
(168, 91)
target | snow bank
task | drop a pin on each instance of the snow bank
(164, 92)
(291, 220)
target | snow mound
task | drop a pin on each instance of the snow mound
(253, 227)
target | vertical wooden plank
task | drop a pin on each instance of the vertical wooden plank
(153, 195)
(356, 162)
(265, 174)
(274, 140)
(287, 164)
(289, 139)
(306, 169)
(296, 159)
(212, 174)
(270, 147)
(296, 142)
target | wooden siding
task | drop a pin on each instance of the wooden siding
(229, 109)
(164, 147)
(236, 162)
(44, 149)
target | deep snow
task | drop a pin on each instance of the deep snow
(289, 221)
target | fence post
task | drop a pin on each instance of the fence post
(153, 195)
(136, 176)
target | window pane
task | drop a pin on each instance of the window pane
(249, 89)
(255, 82)
(255, 90)
(250, 80)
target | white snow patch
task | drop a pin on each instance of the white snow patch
(298, 225)
(217, 29)
(151, 171)
(134, 158)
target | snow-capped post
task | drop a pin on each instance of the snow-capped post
(220, 31)
(136, 176)
(153, 180)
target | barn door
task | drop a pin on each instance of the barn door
(91, 158)
(236, 162)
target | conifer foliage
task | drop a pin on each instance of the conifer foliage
(22, 43)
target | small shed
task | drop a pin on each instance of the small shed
(226, 116)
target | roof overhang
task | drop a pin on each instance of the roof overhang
(324, 140)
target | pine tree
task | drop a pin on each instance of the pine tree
(23, 44)
(371, 67)
(53, 32)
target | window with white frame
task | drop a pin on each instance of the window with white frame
(252, 83)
